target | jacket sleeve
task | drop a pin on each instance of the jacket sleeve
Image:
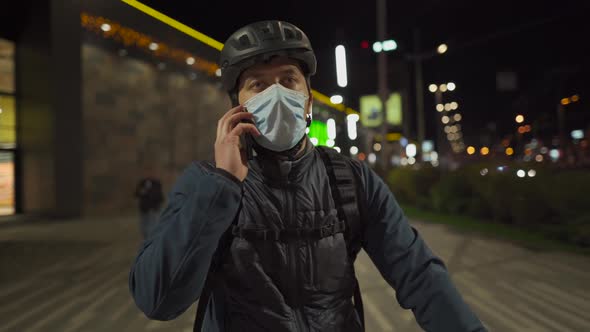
(170, 269)
(420, 278)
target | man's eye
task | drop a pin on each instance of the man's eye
(290, 80)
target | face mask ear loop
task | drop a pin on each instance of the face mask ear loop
(308, 120)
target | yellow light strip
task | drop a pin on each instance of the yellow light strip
(175, 24)
(217, 45)
(130, 37)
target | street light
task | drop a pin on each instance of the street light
(561, 115)
(384, 46)
(353, 117)
(443, 87)
(577, 134)
(432, 88)
(451, 86)
(341, 74)
(377, 47)
(331, 129)
(351, 121)
(442, 48)
(336, 99)
(389, 45)
(519, 118)
(411, 150)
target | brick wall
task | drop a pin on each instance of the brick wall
(135, 115)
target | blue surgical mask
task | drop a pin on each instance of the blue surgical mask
(279, 115)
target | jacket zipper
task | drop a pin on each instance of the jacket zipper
(293, 266)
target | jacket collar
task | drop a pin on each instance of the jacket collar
(279, 168)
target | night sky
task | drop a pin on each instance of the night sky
(543, 42)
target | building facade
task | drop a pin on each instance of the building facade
(92, 94)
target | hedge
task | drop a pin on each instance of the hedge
(554, 202)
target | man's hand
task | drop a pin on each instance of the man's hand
(229, 155)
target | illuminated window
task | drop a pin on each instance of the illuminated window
(6, 183)
(6, 66)
(7, 127)
(7, 122)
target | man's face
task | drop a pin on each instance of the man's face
(279, 70)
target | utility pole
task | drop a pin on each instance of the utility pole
(419, 90)
(382, 78)
(440, 138)
(561, 125)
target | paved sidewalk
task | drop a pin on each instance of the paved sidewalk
(72, 276)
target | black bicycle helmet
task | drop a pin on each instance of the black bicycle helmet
(258, 42)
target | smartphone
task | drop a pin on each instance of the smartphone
(247, 141)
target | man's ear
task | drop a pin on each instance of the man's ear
(309, 104)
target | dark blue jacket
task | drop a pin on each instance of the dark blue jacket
(275, 286)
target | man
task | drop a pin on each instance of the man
(270, 276)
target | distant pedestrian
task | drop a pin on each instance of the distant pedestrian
(150, 198)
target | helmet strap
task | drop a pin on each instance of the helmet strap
(233, 96)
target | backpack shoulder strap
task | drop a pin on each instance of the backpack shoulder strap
(346, 187)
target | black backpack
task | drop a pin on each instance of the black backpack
(346, 187)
